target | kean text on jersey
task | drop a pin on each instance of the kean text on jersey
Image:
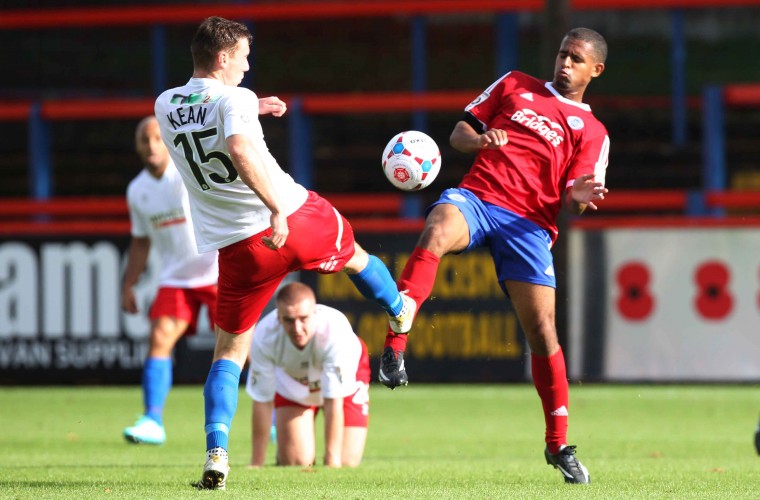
(191, 114)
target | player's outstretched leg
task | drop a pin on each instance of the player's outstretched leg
(416, 284)
(571, 468)
(392, 370)
(220, 397)
(375, 283)
(402, 322)
(156, 383)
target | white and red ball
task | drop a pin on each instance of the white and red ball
(411, 160)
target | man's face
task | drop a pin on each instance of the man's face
(298, 321)
(237, 63)
(150, 148)
(574, 67)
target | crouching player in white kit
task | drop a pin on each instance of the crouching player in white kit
(305, 356)
(159, 212)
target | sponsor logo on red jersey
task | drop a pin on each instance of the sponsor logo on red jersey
(543, 126)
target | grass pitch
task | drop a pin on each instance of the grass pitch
(425, 441)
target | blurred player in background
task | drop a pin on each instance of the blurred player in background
(159, 213)
(537, 147)
(264, 224)
(305, 356)
(757, 438)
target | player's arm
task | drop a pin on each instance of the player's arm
(250, 166)
(583, 190)
(272, 105)
(260, 385)
(333, 408)
(139, 250)
(468, 136)
(261, 420)
(583, 193)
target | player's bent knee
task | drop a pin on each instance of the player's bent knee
(443, 237)
(357, 262)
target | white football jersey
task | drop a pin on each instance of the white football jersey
(195, 121)
(159, 209)
(325, 368)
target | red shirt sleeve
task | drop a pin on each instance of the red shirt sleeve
(593, 155)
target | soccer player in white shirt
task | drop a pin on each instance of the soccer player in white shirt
(263, 223)
(159, 214)
(305, 356)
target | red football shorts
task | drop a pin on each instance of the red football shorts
(184, 304)
(355, 406)
(320, 239)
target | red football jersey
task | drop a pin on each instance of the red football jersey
(551, 141)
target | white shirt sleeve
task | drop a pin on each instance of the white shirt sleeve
(341, 357)
(241, 113)
(139, 227)
(260, 383)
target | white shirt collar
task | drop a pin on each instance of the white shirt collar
(564, 99)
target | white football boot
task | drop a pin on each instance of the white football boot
(215, 471)
(403, 322)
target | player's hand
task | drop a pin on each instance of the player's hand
(493, 139)
(272, 105)
(129, 302)
(279, 234)
(586, 191)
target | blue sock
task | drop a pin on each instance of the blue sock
(221, 397)
(375, 283)
(156, 382)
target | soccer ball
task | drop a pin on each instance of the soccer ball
(411, 160)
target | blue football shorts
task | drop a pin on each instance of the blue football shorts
(521, 250)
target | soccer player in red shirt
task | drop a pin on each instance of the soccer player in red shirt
(538, 146)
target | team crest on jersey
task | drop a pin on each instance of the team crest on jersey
(575, 122)
(543, 126)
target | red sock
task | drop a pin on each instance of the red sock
(550, 379)
(418, 277)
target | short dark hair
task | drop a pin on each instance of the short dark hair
(294, 292)
(214, 35)
(590, 36)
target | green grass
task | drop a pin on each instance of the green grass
(425, 441)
